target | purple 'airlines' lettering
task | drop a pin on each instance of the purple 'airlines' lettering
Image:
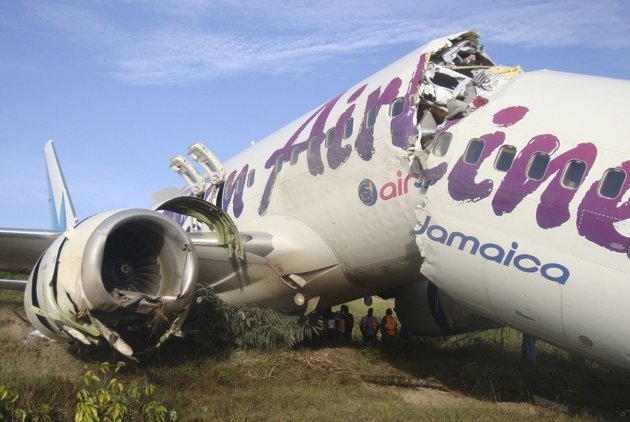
(314, 159)
(365, 139)
(402, 126)
(229, 191)
(509, 116)
(461, 180)
(402, 130)
(338, 154)
(553, 209)
(435, 174)
(597, 216)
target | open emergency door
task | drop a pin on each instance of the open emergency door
(211, 166)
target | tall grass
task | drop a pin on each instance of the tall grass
(227, 372)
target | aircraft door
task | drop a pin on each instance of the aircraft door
(212, 168)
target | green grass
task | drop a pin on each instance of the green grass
(328, 383)
(358, 309)
(11, 297)
(12, 276)
(335, 382)
(301, 386)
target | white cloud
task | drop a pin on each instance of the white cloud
(168, 41)
(559, 24)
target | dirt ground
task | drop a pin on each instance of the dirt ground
(346, 364)
(46, 357)
(13, 324)
(59, 360)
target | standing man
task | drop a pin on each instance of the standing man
(389, 326)
(369, 326)
(344, 323)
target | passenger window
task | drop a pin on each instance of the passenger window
(347, 128)
(227, 191)
(537, 166)
(612, 182)
(312, 146)
(240, 182)
(370, 117)
(442, 143)
(278, 165)
(294, 156)
(505, 158)
(250, 178)
(330, 137)
(397, 106)
(473, 151)
(573, 174)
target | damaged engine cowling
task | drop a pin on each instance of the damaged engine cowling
(126, 276)
(425, 311)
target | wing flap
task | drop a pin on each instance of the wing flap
(20, 249)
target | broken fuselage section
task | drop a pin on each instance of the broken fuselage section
(458, 79)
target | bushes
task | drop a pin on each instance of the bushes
(249, 326)
(10, 411)
(104, 397)
(100, 397)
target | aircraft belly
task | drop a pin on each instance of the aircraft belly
(525, 301)
(467, 259)
(595, 313)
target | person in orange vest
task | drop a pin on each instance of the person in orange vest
(389, 326)
(369, 326)
(344, 323)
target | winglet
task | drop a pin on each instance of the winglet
(62, 211)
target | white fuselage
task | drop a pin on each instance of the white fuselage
(533, 254)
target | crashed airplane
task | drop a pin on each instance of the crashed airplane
(472, 193)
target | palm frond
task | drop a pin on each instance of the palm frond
(248, 326)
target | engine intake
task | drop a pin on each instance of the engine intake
(426, 311)
(126, 276)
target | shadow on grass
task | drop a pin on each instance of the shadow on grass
(480, 365)
(477, 367)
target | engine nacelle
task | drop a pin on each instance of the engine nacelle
(425, 311)
(126, 276)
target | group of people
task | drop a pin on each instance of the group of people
(370, 325)
(389, 328)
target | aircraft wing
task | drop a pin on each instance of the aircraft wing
(7, 284)
(20, 248)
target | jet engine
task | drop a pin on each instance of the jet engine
(126, 276)
(426, 311)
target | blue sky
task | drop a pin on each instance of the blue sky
(123, 85)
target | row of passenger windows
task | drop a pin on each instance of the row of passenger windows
(396, 108)
(240, 182)
(573, 174)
